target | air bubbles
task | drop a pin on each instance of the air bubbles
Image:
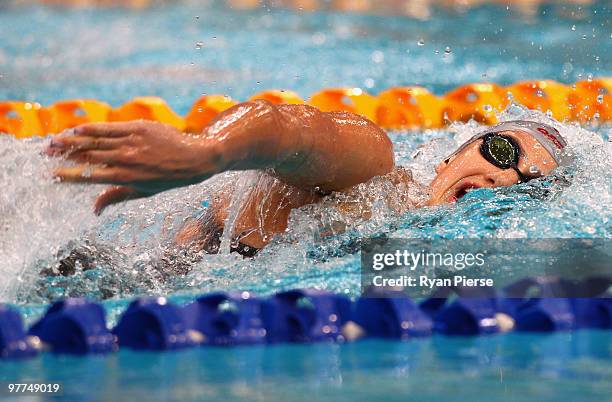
(447, 50)
(377, 56)
(487, 108)
(420, 42)
(573, 27)
(199, 45)
(318, 38)
(533, 169)
(600, 99)
(368, 83)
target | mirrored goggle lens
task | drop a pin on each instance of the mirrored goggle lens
(502, 150)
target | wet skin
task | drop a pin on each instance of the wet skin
(306, 153)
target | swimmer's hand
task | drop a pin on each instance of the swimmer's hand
(140, 158)
(302, 146)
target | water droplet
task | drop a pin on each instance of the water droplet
(447, 50)
(421, 42)
(197, 17)
(318, 38)
(584, 36)
(369, 83)
(487, 108)
(87, 172)
(573, 27)
(377, 56)
(533, 169)
(600, 99)
(199, 45)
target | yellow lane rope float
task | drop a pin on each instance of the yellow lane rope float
(395, 108)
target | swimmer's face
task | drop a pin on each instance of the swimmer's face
(469, 170)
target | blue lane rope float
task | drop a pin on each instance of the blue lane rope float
(305, 316)
(153, 324)
(227, 318)
(390, 314)
(14, 342)
(74, 326)
(78, 326)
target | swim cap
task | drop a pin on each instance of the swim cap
(548, 136)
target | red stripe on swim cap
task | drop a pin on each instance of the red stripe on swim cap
(551, 137)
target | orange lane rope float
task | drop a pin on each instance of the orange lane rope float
(411, 107)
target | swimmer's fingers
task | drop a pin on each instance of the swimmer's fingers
(115, 194)
(109, 175)
(116, 129)
(70, 144)
(108, 157)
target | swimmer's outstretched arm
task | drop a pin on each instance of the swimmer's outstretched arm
(304, 146)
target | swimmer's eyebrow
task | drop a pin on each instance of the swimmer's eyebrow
(118, 129)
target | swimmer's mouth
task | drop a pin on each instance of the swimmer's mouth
(463, 190)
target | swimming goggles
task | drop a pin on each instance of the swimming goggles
(504, 152)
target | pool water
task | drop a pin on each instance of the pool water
(182, 51)
(559, 367)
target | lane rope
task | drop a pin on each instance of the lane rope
(410, 107)
(533, 304)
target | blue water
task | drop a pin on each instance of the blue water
(51, 54)
(568, 367)
(116, 55)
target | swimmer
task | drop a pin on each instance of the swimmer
(304, 155)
